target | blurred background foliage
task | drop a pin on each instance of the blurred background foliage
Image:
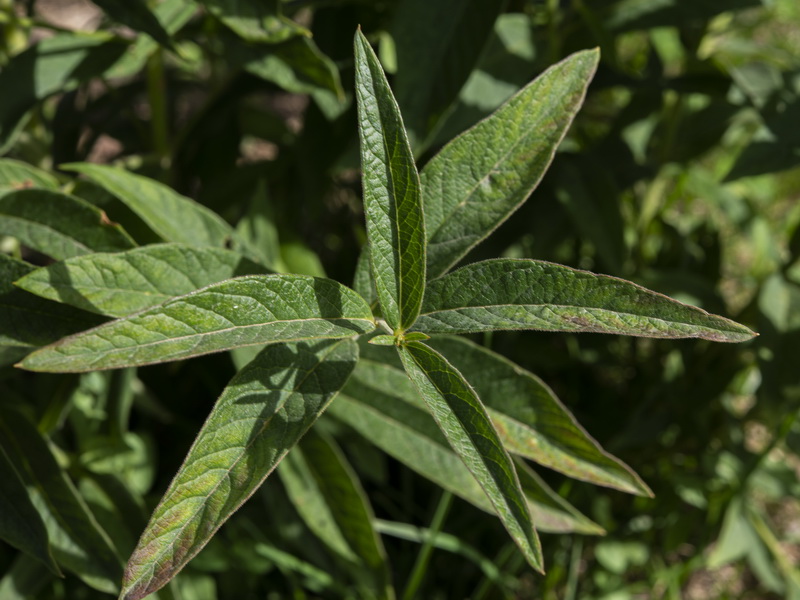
(681, 173)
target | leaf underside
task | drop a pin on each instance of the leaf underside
(381, 404)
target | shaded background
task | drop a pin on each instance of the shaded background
(680, 173)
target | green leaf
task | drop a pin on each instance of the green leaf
(174, 217)
(136, 15)
(328, 496)
(532, 421)
(59, 225)
(122, 283)
(438, 45)
(381, 404)
(17, 175)
(259, 417)
(395, 223)
(27, 321)
(244, 311)
(20, 523)
(476, 181)
(77, 541)
(297, 65)
(259, 22)
(532, 294)
(465, 423)
(53, 65)
(172, 15)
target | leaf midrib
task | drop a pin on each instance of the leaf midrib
(226, 330)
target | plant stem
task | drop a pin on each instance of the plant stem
(157, 95)
(423, 558)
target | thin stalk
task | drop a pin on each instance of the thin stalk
(574, 566)
(157, 95)
(424, 556)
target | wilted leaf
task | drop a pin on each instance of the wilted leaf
(476, 181)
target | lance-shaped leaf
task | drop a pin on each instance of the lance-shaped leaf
(17, 175)
(328, 496)
(531, 420)
(78, 543)
(381, 404)
(122, 283)
(174, 217)
(463, 419)
(27, 321)
(392, 203)
(532, 294)
(244, 311)
(476, 181)
(260, 415)
(59, 225)
(20, 523)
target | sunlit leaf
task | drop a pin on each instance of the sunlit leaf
(59, 225)
(17, 175)
(259, 417)
(392, 202)
(381, 403)
(530, 294)
(244, 311)
(531, 420)
(174, 217)
(463, 419)
(122, 283)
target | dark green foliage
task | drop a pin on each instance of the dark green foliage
(190, 169)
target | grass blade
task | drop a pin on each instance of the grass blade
(465, 423)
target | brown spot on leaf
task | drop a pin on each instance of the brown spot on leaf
(104, 220)
(25, 184)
